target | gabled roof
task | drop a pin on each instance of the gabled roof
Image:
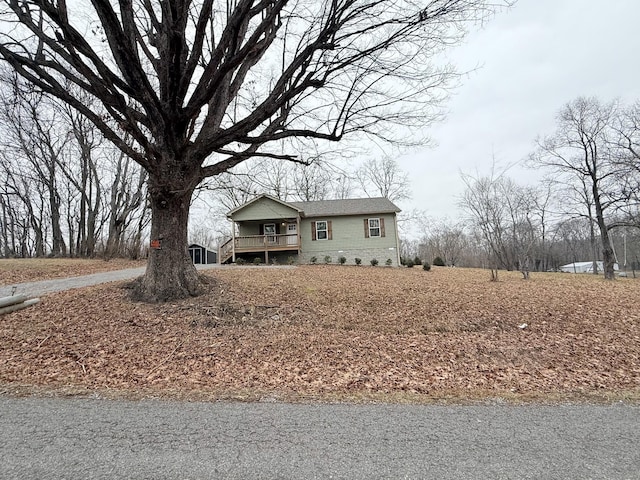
(349, 206)
(331, 208)
(259, 197)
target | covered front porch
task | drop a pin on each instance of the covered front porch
(262, 238)
(264, 226)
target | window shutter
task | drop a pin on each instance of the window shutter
(261, 229)
(366, 228)
(381, 227)
(313, 230)
(329, 231)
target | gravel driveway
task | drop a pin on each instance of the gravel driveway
(36, 289)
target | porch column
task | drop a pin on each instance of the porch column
(299, 235)
(233, 241)
(395, 227)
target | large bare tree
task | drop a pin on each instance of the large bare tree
(384, 178)
(581, 157)
(446, 240)
(503, 214)
(202, 85)
(628, 163)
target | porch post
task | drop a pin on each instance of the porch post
(395, 227)
(233, 241)
(299, 235)
(266, 249)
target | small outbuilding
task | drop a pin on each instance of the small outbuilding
(201, 255)
(583, 267)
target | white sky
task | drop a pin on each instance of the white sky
(533, 58)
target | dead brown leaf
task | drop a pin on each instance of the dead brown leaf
(332, 332)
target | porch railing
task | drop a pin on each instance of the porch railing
(258, 243)
(266, 242)
(226, 251)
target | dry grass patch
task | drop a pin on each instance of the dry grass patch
(331, 332)
(34, 269)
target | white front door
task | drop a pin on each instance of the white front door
(292, 232)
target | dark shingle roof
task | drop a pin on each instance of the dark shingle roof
(350, 206)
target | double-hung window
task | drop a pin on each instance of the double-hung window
(322, 230)
(374, 227)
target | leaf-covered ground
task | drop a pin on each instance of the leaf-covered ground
(337, 333)
(35, 269)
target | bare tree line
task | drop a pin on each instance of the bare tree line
(320, 179)
(587, 208)
(65, 190)
(528, 236)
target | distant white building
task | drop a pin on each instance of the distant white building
(584, 267)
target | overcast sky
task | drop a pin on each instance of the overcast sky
(533, 58)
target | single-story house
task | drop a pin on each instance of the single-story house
(269, 228)
(584, 267)
(201, 255)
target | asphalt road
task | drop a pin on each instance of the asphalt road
(52, 438)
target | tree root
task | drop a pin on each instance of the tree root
(140, 291)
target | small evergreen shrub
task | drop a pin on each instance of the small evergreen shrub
(240, 261)
(358, 261)
(342, 260)
(438, 262)
(314, 259)
(374, 262)
(426, 267)
(257, 261)
(409, 263)
(291, 260)
(327, 259)
(417, 261)
(389, 262)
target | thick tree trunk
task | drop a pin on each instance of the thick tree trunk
(594, 244)
(608, 257)
(6, 251)
(170, 273)
(59, 247)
